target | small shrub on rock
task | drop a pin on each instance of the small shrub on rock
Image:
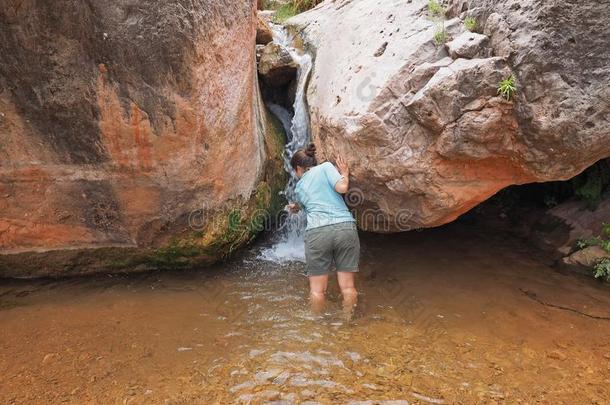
(507, 87)
(440, 36)
(602, 269)
(283, 13)
(470, 23)
(291, 8)
(304, 5)
(435, 9)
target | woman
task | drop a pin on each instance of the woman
(331, 235)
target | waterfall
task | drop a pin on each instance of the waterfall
(289, 245)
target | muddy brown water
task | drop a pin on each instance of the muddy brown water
(452, 315)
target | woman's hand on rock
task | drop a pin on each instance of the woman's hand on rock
(342, 166)
(342, 185)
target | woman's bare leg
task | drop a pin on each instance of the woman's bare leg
(317, 292)
(348, 290)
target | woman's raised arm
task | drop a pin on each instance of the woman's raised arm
(342, 185)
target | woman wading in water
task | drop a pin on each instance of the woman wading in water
(331, 236)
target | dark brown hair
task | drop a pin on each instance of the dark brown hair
(305, 158)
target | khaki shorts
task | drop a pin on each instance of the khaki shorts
(336, 243)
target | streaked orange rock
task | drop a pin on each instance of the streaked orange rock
(114, 138)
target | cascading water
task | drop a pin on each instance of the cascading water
(289, 246)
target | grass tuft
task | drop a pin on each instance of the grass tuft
(470, 23)
(304, 5)
(440, 36)
(435, 9)
(507, 87)
(284, 11)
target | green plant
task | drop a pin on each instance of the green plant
(590, 191)
(602, 269)
(440, 36)
(304, 5)
(289, 9)
(593, 185)
(437, 12)
(507, 87)
(236, 233)
(470, 23)
(597, 240)
(175, 254)
(284, 12)
(234, 221)
(269, 5)
(435, 9)
(264, 205)
(584, 243)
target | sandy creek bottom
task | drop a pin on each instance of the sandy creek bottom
(453, 315)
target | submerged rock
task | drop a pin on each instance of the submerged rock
(131, 133)
(426, 133)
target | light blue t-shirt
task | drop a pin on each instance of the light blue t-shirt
(316, 194)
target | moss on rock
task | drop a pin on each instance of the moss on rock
(239, 221)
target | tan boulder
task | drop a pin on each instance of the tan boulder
(587, 257)
(276, 65)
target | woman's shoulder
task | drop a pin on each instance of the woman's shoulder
(320, 168)
(325, 165)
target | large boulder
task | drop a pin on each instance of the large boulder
(276, 66)
(426, 133)
(132, 135)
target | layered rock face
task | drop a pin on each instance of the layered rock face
(118, 120)
(421, 122)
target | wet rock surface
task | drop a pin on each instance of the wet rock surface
(424, 128)
(118, 120)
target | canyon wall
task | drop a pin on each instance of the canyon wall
(121, 123)
(411, 99)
